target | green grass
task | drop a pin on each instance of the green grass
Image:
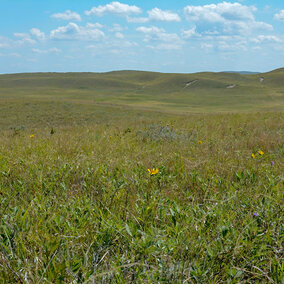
(77, 203)
(156, 91)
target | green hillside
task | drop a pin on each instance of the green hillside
(78, 95)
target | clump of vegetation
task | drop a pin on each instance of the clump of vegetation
(92, 203)
(156, 132)
(17, 129)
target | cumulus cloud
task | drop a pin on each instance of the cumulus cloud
(37, 34)
(266, 38)
(158, 34)
(206, 46)
(150, 30)
(68, 16)
(116, 28)
(279, 16)
(21, 35)
(157, 14)
(74, 32)
(24, 39)
(95, 25)
(21, 39)
(165, 46)
(232, 46)
(46, 51)
(119, 35)
(225, 18)
(220, 12)
(114, 8)
(186, 34)
(226, 42)
(137, 20)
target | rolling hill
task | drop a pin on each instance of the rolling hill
(78, 94)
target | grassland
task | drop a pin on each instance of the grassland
(78, 204)
(176, 93)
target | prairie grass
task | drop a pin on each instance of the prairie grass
(147, 90)
(78, 204)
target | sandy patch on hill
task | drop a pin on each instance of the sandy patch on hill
(190, 83)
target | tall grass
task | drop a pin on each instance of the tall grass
(79, 205)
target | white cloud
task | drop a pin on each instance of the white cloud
(74, 32)
(266, 38)
(119, 35)
(24, 39)
(232, 46)
(114, 8)
(150, 30)
(96, 25)
(137, 20)
(157, 14)
(224, 43)
(51, 50)
(225, 18)
(37, 33)
(164, 40)
(116, 28)
(4, 42)
(220, 12)
(206, 46)
(67, 15)
(167, 37)
(165, 46)
(279, 16)
(21, 35)
(186, 34)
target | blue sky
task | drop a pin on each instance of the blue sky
(165, 36)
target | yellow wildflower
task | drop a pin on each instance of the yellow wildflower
(260, 152)
(199, 142)
(253, 155)
(153, 171)
(32, 136)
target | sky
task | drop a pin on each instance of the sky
(174, 36)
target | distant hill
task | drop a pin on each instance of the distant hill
(198, 92)
(242, 72)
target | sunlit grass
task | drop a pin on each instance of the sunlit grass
(142, 200)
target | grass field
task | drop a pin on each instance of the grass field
(175, 93)
(78, 204)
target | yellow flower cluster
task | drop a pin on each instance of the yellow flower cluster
(260, 152)
(153, 171)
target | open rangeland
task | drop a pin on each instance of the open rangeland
(141, 177)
